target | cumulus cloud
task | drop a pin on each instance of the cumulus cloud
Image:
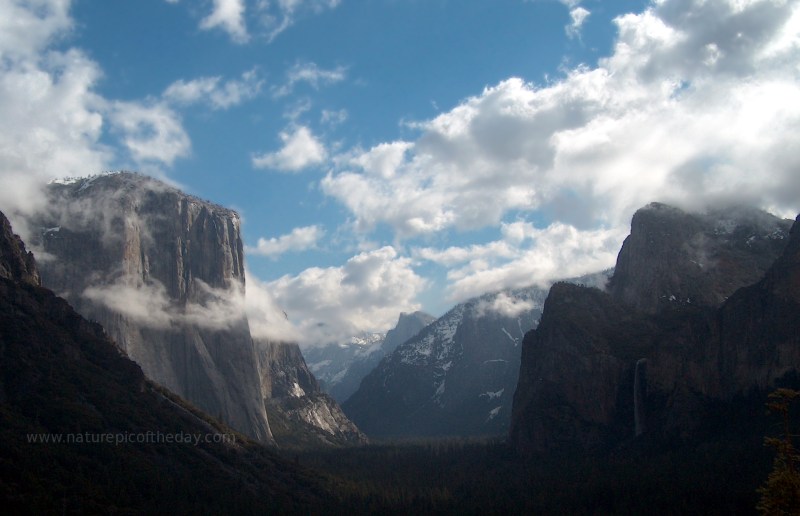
(27, 28)
(229, 16)
(578, 15)
(55, 124)
(151, 131)
(364, 294)
(698, 102)
(301, 149)
(311, 74)
(300, 239)
(504, 305)
(215, 92)
(525, 255)
(52, 118)
(52, 123)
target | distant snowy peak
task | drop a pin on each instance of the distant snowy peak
(367, 343)
(342, 366)
(330, 363)
(458, 375)
(85, 180)
(366, 339)
(436, 344)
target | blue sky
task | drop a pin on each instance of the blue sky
(392, 155)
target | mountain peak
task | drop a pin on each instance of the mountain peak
(673, 257)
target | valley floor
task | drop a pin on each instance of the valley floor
(487, 477)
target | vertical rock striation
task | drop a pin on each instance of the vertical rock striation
(685, 300)
(163, 272)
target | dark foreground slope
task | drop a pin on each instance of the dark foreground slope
(61, 378)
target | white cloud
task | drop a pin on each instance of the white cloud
(52, 119)
(525, 255)
(301, 149)
(333, 117)
(228, 15)
(149, 305)
(311, 74)
(243, 20)
(277, 16)
(266, 318)
(26, 28)
(365, 294)
(145, 304)
(152, 132)
(578, 15)
(300, 239)
(215, 92)
(503, 305)
(699, 101)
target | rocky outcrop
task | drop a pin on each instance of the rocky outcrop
(705, 337)
(163, 272)
(16, 263)
(301, 415)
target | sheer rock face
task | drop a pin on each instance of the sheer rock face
(707, 336)
(301, 415)
(673, 257)
(163, 272)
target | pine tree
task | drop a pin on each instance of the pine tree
(780, 494)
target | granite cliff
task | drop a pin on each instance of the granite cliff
(82, 430)
(163, 272)
(684, 328)
(160, 271)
